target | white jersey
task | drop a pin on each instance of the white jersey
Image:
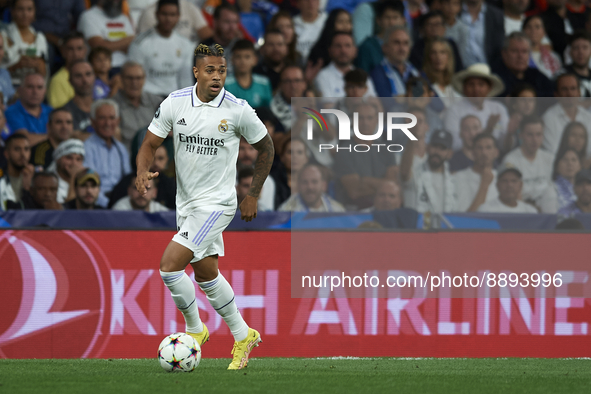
(206, 138)
(497, 206)
(537, 174)
(467, 184)
(168, 61)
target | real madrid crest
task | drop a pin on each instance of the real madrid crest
(223, 126)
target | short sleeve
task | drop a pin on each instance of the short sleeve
(88, 26)
(197, 17)
(162, 121)
(250, 125)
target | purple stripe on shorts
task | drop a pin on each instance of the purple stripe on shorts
(203, 235)
(204, 226)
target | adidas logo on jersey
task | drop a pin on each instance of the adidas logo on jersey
(185, 235)
(182, 122)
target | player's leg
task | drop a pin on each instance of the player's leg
(175, 259)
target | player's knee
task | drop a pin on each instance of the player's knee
(168, 265)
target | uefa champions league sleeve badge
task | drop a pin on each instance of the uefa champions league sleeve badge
(223, 126)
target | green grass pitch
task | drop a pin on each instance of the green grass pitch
(300, 375)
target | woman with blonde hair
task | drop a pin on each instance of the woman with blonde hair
(438, 66)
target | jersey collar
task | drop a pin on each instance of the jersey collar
(216, 102)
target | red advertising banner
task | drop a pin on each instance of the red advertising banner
(71, 294)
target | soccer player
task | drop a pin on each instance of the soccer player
(207, 122)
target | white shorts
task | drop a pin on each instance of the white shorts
(201, 231)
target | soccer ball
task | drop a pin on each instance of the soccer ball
(179, 352)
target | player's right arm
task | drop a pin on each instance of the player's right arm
(157, 132)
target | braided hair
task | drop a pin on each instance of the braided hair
(203, 51)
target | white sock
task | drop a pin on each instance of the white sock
(183, 293)
(221, 297)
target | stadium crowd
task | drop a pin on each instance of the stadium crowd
(80, 81)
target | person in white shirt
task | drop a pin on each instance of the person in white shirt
(167, 68)
(509, 185)
(433, 184)
(388, 198)
(567, 88)
(104, 25)
(191, 25)
(247, 157)
(206, 122)
(308, 25)
(134, 201)
(476, 84)
(475, 185)
(514, 13)
(330, 80)
(535, 165)
(311, 195)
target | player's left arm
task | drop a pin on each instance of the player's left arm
(248, 207)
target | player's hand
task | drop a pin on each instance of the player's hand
(248, 208)
(142, 182)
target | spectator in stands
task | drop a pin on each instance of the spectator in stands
(388, 197)
(165, 182)
(82, 80)
(390, 76)
(67, 162)
(135, 201)
(434, 188)
(274, 55)
(293, 157)
(137, 106)
(486, 25)
(438, 66)
(251, 21)
(541, 55)
(535, 166)
(583, 192)
(338, 21)
(254, 88)
(59, 129)
(515, 66)
(558, 25)
(291, 84)
(580, 53)
(514, 11)
(455, 28)
(105, 85)
(311, 192)
(509, 185)
(470, 127)
(226, 21)
(55, 20)
(568, 89)
(355, 87)
(359, 174)
(29, 115)
(191, 25)
(342, 52)
(419, 94)
(19, 172)
(566, 165)
(283, 22)
(104, 25)
(475, 185)
(87, 185)
(308, 25)
(575, 137)
(104, 154)
(476, 83)
(6, 87)
(244, 181)
(388, 14)
(27, 50)
(43, 193)
(170, 67)
(522, 102)
(414, 156)
(432, 27)
(60, 90)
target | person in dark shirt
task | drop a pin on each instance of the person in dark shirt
(42, 195)
(60, 127)
(88, 184)
(580, 53)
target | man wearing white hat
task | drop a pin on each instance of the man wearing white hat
(68, 159)
(476, 84)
